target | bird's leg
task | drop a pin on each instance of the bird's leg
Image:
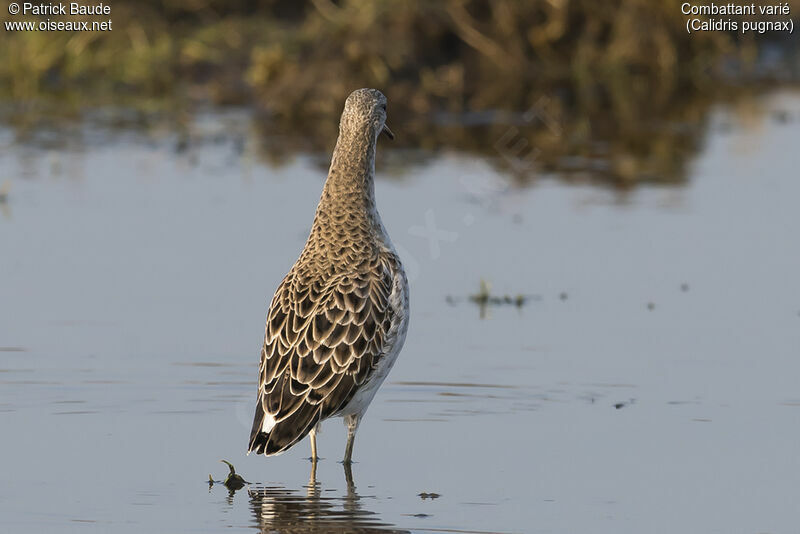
(348, 478)
(312, 478)
(312, 492)
(351, 499)
(352, 425)
(313, 436)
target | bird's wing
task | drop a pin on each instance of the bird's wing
(323, 340)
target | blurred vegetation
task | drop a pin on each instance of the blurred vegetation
(616, 91)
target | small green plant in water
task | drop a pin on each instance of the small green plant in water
(484, 298)
(234, 481)
(483, 295)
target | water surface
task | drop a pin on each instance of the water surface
(647, 384)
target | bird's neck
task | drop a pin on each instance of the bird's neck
(347, 205)
(350, 184)
(352, 167)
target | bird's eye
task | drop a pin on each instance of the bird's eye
(384, 108)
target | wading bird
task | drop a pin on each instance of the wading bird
(339, 318)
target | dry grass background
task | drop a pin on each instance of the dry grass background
(608, 73)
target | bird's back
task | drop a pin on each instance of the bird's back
(327, 331)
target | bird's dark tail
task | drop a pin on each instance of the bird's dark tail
(277, 437)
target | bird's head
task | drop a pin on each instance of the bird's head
(365, 109)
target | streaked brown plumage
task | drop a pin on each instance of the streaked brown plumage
(339, 317)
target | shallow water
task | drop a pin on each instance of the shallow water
(647, 384)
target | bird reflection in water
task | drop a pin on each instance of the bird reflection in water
(280, 510)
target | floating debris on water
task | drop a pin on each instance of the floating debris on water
(234, 481)
(484, 298)
(622, 404)
(563, 295)
(651, 306)
(483, 294)
(684, 287)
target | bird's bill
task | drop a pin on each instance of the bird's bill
(388, 132)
